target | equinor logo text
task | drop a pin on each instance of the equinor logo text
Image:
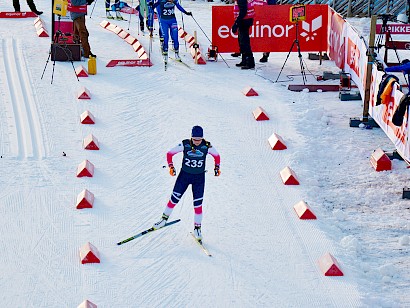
(267, 31)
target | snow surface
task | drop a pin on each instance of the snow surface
(263, 255)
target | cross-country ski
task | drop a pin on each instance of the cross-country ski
(152, 229)
(201, 245)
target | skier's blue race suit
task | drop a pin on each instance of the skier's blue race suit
(168, 22)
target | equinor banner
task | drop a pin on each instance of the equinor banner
(272, 30)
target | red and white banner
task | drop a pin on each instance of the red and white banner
(355, 57)
(336, 43)
(383, 114)
(272, 30)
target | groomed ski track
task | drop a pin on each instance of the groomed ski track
(263, 256)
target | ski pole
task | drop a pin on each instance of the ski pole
(95, 2)
(208, 39)
(129, 21)
(183, 27)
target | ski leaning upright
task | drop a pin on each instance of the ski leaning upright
(199, 242)
(147, 231)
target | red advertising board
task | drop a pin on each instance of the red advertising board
(272, 30)
(17, 14)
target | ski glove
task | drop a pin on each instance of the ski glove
(217, 171)
(189, 13)
(234, 28)
(172, 170)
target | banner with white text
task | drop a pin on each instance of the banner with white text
(272, 31)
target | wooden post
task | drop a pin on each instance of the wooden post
(196, 48)
(370, 59)
(349, 9)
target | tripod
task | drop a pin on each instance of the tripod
(302, 67)
(53, 49)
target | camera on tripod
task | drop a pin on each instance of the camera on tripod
(61, 37)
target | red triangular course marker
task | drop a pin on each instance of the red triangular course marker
(329, 265)
(289, 177)
(303, 210)
(87, 118)
(276, 142)
(104, 23)
(80, 71)
(84, 93)
(85, 169)
(89, 254)
(248, 91)
(85, 200)
(42, 32)
(380, 161)
(90, 143)
(87, 304)
(260, 114)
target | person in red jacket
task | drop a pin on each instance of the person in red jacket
(244, 13)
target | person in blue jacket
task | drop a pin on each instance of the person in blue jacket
(192, 173)
(168, 24)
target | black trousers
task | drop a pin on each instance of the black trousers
(31, 5)
(243, 36)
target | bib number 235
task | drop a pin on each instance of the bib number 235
(194, 163)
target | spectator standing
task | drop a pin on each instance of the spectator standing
(244, 13)
(80, 30)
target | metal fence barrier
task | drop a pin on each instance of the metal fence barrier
(359, 8)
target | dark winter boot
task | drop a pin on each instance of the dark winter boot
(142, 25)
(242, 63)
(264, 59)
(249, 63)
(235, 54)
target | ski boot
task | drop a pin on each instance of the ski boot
(108, 14)
(177, 57)
(118, 16)
(161, 41)
(197, 233)
(165, 56)
(142, 25)
(161, 223)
